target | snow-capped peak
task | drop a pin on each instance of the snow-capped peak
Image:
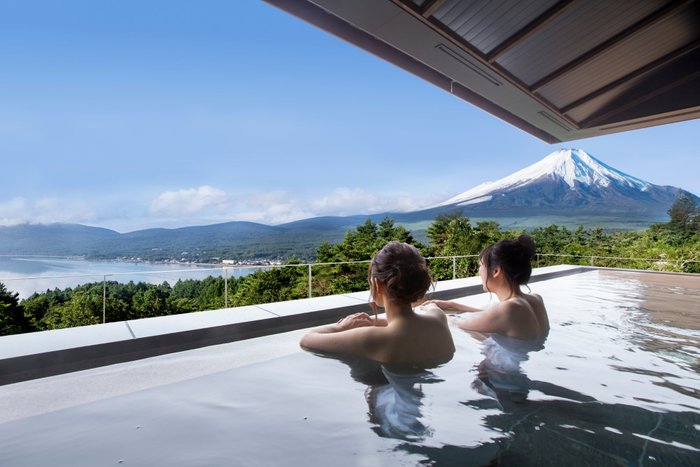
(569, 165)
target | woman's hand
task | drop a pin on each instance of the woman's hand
(356, 320)
(429, 305)
(442, 304)
(449, 305)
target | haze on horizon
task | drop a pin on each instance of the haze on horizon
(129, 115)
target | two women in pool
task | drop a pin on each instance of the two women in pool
(399, 278)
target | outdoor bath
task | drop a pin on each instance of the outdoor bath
(616, 382)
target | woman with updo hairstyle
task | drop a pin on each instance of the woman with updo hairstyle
(503, 267)
(398, 279)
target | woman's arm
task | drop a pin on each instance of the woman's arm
(352, 335)
(494, 319)
(449, 305)
(380, 321)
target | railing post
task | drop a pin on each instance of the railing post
(225, 287)
(104, 299)
(310, 280)
(454, 267)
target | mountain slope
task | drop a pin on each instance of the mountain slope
(567, 181)
(52, 239)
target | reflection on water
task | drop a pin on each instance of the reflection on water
(395, 392)
(500, 374)
(394, 397)
(395, 407)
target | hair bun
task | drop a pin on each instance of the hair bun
(402, 270)
(528, 245)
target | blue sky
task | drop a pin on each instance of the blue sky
(137, 114)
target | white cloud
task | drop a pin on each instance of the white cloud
(204, 205)
(278, 207)
(189, 201)
(272, 207)
(210, 205)
(348, 201)
(20, 210)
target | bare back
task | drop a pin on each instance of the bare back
(409, 337)
(527, 316)
(414, 338)
(537, 304)
(521, 316)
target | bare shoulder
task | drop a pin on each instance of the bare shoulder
(372, 337)
(537, 304)
(513, 304)
(433, 311)
(517, 308)
(535, 300)
(536, 296)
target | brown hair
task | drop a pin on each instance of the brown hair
(402, 271)
(513, 257)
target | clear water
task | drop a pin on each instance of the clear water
(26, 275)
(615, 383)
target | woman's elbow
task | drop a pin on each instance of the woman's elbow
(306, 341)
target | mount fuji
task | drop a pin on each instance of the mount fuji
(568, 187)
(566, 182)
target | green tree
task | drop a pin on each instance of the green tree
(152, 302)
(551, 241)
(684, 214)
(359, 244)
(439, 233)
(83, 309)
(12, 319)
(39, 304)
(454, 235)
(274, 285)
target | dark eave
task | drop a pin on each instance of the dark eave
(558, 69)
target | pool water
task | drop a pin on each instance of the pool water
(615, 383)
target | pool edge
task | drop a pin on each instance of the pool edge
(111, 345)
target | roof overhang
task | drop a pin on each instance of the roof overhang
(560, 70)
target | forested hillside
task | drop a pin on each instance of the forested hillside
(674, 246)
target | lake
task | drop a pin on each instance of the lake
(27, 275)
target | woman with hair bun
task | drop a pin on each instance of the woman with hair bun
(398, 278)
(503, 267)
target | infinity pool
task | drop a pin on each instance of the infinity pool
(615, 383)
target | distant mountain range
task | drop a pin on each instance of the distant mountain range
(568, 187)
(238, 240)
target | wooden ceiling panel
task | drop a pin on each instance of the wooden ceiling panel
(634, 53)
(636, 97)
(485, 25)
(578, 29)
(590, 66)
